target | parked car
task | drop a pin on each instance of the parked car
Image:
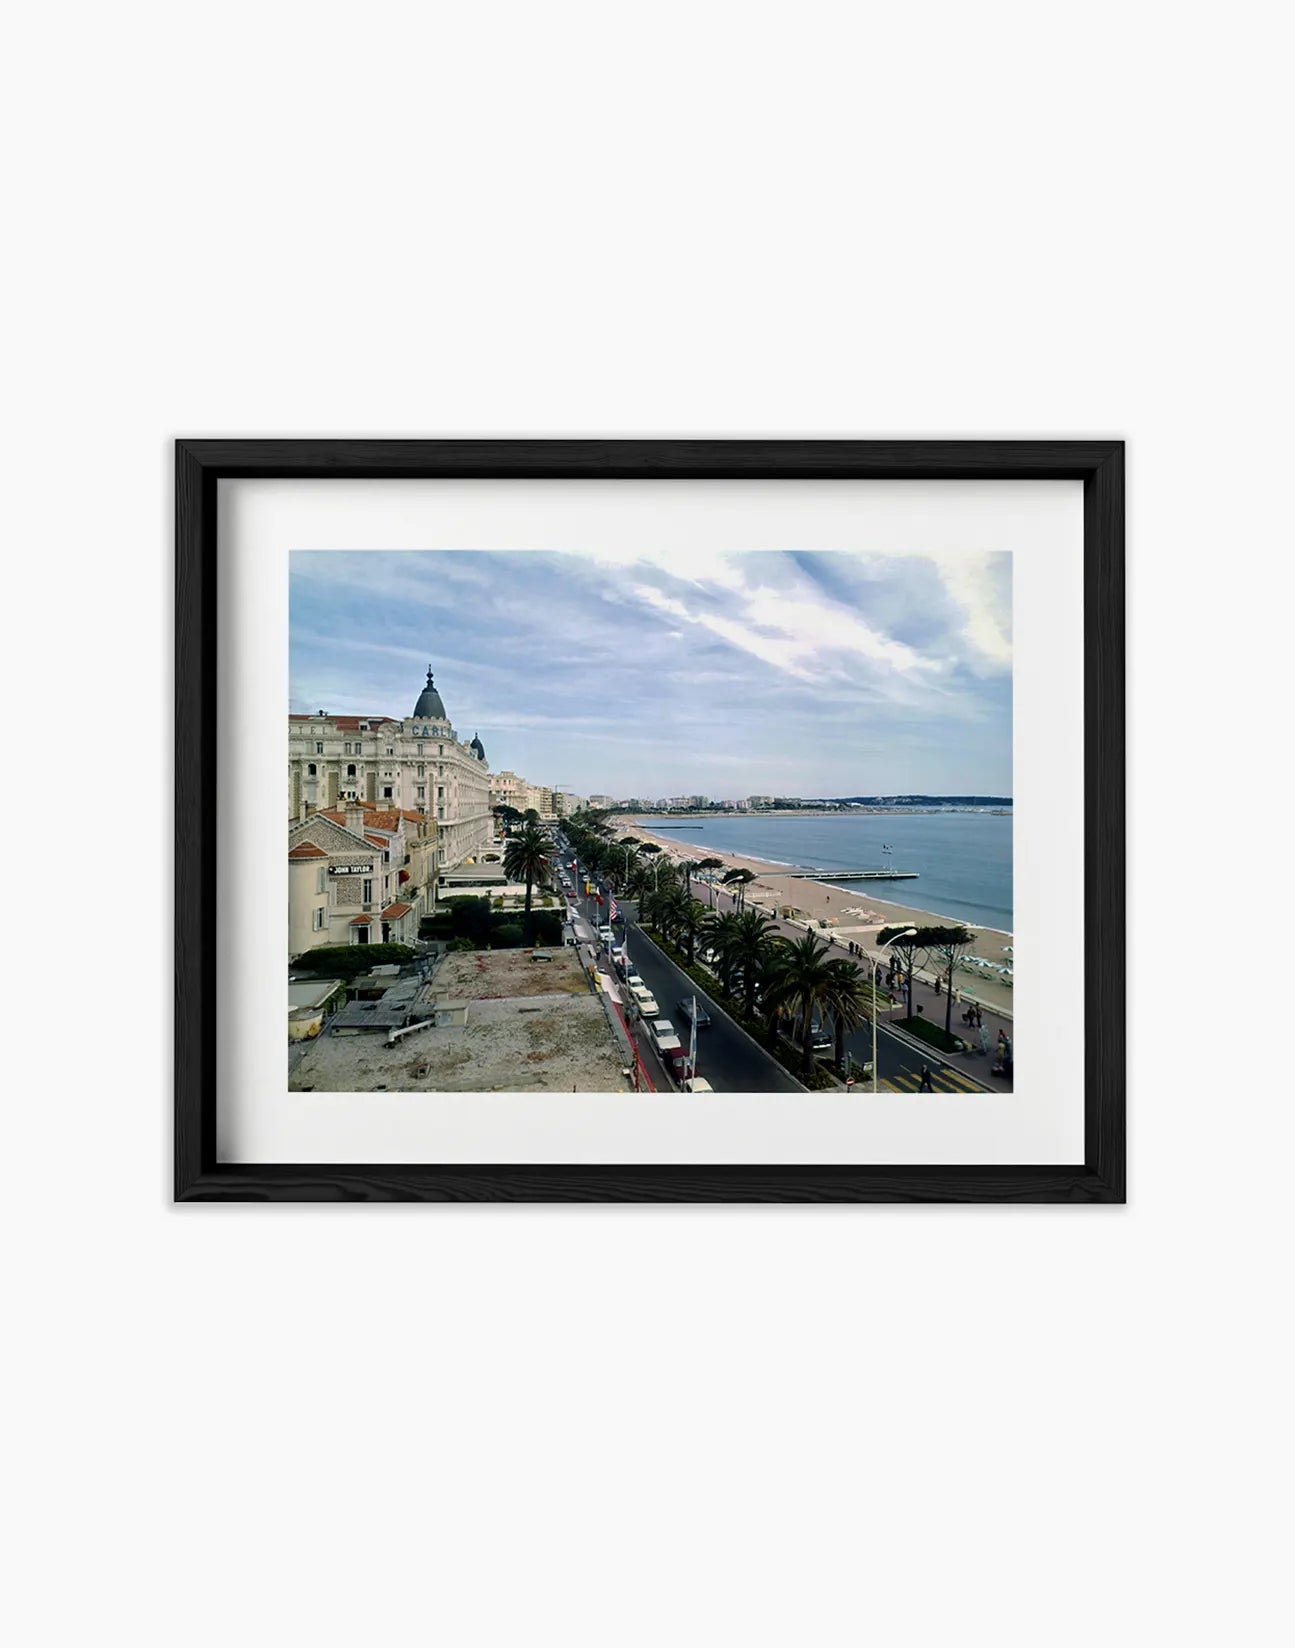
(685, 1011)
(605, 934)
(661, 1035)
(697, 1084)
(645, 1001)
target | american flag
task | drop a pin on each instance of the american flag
(613, 910)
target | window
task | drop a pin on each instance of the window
(420, 749)
(386, 792)
(390, 750)
(421, 769)
(422, 792)
(350, 771)
(319, 919)
(311, 769)
(319, 748)
(361, 934)
(321, 879)
(346, 749)
(366, 892)
(386, 855)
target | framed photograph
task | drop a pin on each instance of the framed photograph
(650, 821)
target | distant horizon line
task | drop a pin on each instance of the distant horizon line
(786, 803)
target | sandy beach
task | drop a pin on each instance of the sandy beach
(855, 913)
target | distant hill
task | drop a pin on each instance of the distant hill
(922, 800)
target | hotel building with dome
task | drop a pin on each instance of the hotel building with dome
(414, 763)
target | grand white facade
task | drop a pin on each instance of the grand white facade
(415, 763)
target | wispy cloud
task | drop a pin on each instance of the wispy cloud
(678, 670)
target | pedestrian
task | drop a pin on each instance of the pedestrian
(984, 1039)
(937, 984)
(924, 1082)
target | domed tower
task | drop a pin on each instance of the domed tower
(478, 748)
(429, 706)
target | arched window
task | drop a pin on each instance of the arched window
(350, 771)
(310, 769)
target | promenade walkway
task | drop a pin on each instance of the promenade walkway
(977, 1065)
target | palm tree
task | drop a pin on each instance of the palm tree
(526, 858)
(801, 982)
(719, 937)
(628, 847)
(672, 910)
(693, 916)
(850, 1003)
(752, 947)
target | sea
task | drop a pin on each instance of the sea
(963, 860)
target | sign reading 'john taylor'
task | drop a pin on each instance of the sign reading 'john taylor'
(350, 869)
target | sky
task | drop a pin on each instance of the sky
(723, 675)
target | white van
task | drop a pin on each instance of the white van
(697, 1084)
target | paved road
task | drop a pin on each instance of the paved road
(732, 1064)
(726, 1057)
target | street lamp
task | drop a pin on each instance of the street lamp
(908, 932)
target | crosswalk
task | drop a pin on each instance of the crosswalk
(943, 1080)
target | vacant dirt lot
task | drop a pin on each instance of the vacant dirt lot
(531, 1026)
(487, 975)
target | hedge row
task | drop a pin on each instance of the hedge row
(485, 928)
(932, 1034)
(348, 961)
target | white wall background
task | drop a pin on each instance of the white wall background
(629, 1426)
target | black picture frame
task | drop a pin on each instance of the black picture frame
(201, 464)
